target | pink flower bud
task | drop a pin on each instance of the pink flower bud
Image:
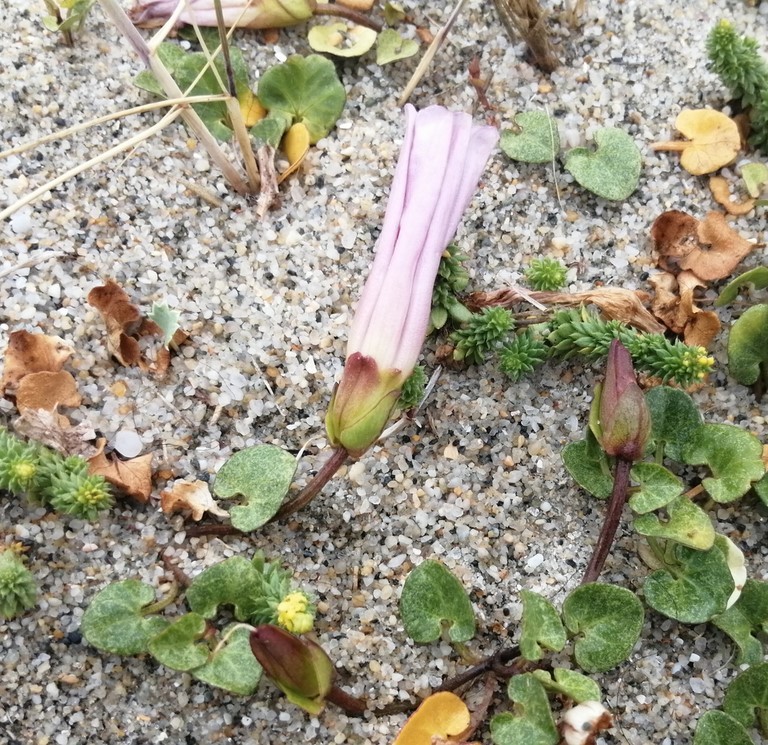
(244, 13)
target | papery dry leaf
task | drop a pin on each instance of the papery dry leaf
(54, 431)
(720, 191)
(122, 318)
(133, 477)
(194, 496)
(441, 715)
(710, 248)
(295, 145)
(47, 390)
(31, 353)
(714, 140)
(666, 301)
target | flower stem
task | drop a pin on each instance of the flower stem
(313, 488)
(349, 704)
(611, 522)
(349, 14)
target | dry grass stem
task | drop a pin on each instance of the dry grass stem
(528, 19)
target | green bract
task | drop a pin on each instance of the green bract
(536, 141)
(613, 170)
(532, 723)
(540, 627)
(607, 621)
(262, 475)
(433, 597)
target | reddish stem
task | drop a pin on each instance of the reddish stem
(349, 14)
(347, 703)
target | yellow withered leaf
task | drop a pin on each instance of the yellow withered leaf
(713, 140)
(295, 145)
(250, 107)
(440, 716)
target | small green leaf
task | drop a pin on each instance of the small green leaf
(569, 683)
(761, 489)
(693, 587)
(532, 723)
(175, 645)
(341, 39)
(166, 319)
(674, 419)
(757, 277)
(307, 89)
(748, 345)
(233, 667)
(732, 454)
(431, 597)
(746, 699)
(749, 615)
(391, 46)
(262, 475)
(686, 523)
(537, 140)
(540, 627)
(114, 620)
(717, 728)
(438, 316)
(755, 176)
(393, 13)
(234, 581)
(613, 170)
(658, 487)
(588, 465)
(608, 621)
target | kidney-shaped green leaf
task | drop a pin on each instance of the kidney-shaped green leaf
(540, 627)
(674, 419)
(536, 141)
(569, 683)
(262, 475)
(613, 170)
(177, 647)
(746, 699)
(685, 523)
(717, 728)
(757, 277)
(731, 453)
(431, 597)
(234, 581)
(748, 616)
(233, 666)
(391, 46)
(658, 487)
(115, 620)
(341, 39)
(587, 463)
(748, 345)
(532, 723)
(607, 621)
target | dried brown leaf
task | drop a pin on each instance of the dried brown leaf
(720, 191)
(31, 353)
(47, 390)
(133, 477)
(194, 496)
(54, 431)
(122, 318)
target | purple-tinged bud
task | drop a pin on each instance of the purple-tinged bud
(625, 421)
(298, 667)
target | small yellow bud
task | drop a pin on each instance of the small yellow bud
(295, 614)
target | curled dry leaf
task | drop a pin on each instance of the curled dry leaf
(47, 390)
(674, 305)
(54, 431)
(31, 353)
(194, 496)
(720, 191)
(122, 319)
(710, 248)
(713, 140)
(133, 477)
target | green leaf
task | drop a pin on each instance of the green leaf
(262, 475)
(341, 39)
(731, 453)
(175, 645)
(166, 319)
(717, 728)
(393, 13)
(748, 345)
(431, 597)
(658, 487)
(234, 581)
(686, 523)
(674, 419)
(307, 89)
(438, 316)
(270, 130)
(540, 627)
(607, 620)
(532, 723)
(693, 586)
(588, 465)
(757, 277)
(761, 489)
(537, 140)
(746, 699)
(232, 667)
(755, 176)
(749, 615)
(569, 683)
(391, 46)
(115, 622)
(613, 170)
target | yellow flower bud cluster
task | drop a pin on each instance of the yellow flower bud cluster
(295, 613)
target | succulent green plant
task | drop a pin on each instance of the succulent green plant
(482, 334)
(18, 590)
(546, 274)
(523, 354)
(413, 389)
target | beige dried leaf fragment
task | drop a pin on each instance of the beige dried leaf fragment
(54, 431)
(47, 390)
(122, 318)
(194, 496)
(133, 477)
(31, 353)
(722, 194)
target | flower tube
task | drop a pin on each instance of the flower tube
(441, 160)
(245, 13)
